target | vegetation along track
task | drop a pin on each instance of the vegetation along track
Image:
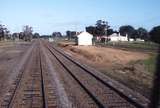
(103, 93)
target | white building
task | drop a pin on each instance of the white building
(50, 39)
(117, 37)
(140, 40)
(84, 38)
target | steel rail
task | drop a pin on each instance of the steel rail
(133, 102)
(94, 98)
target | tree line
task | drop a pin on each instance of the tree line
(26, 34)
(4, 32)
(101, 28)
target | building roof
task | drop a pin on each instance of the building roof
(85, 34)
(113, 35)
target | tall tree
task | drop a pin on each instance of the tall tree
(110, 31)
(91, 30)
(27, 33)
(71, 34)
(15, 35)
(68, 33)
(1, 32)
(142, 33)
(101, 27)
(127, 30)
(21, 35)
(4, 32)
(56, 34)
(7, 35)
(155, 34)
(36, 35)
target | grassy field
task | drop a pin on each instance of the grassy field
(114, 60)
(135, 45)
(150, 63)
(132, 45)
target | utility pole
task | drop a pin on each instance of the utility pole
(105, 31)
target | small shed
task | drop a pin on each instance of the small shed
(84, 38)
(50, 39)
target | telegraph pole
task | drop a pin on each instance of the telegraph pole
(105, 31)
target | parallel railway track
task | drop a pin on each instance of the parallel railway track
(34, 86)
(119, 99)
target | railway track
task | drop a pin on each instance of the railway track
(102, 92)
(10, 95)
(38, 85)
(31, 88)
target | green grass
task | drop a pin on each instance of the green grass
(133, 45)
(150, 63)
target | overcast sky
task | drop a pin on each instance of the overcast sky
(47, 16)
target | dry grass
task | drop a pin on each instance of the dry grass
(108, 56)
(125, 66)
